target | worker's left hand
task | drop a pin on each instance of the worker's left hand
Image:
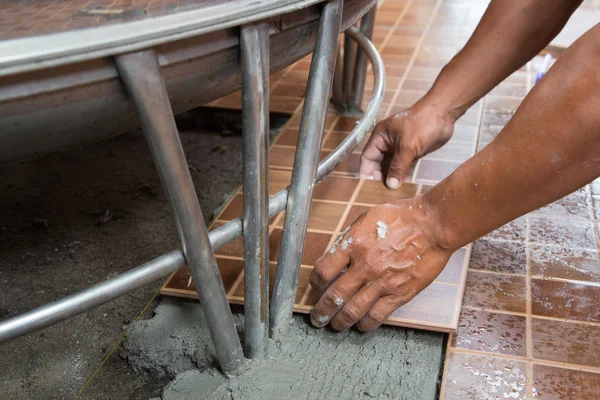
(385, 259)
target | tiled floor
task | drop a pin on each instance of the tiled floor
(530, 321)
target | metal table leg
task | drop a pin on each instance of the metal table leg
(367, 23)
(140, 73)
(348, 70)
(299, 200)
(255, 118)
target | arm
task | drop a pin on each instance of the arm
(510, 33)
(550, 148)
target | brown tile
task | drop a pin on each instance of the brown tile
(284, 105)
(355, 212)
(230, 270)
(477, 377)
(375, 192)
(564, 263)
(438, 304)
(349, 167)
(569, 300)
(335, 188)
(289, 88)
(345, 124)
(294, 122)
(314, 246)
(567, 233)
(453, 271)
(278, 180)
(435, 171)
(492, 255)
(576, 204)
(334, 139)
(567, 342)
(288, 137)
(514, 230)
(323, 216)
(494, 291)
(281, 157)
(491, 332)
(554, 383)
(302, 282)
(234, 248)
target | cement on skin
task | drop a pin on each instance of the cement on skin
(390, 363)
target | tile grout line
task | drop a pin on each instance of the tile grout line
(489, 272)
(442, 393)
(528, 317)
(523, 314)
(414, 55)
(460, 350)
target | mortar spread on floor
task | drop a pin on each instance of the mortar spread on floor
(391, 363)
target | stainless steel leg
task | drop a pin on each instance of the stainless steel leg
(255, 115)
(337, 94)
(367, 23)
(312, 123)
(348, 68)
(140, 73)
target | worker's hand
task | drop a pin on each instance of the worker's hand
(402, 139)
(381, 262)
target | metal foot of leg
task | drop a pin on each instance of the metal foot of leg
(305, 167)
(140, 73)
(255, 115)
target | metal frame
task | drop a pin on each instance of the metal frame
(255, 121)
(349, 80)
(161, 133)
(306, 160)
(141, 76)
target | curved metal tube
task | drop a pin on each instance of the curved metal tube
(147, 273)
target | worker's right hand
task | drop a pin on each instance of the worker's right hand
(398, 141)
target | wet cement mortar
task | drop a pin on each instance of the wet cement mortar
(307, 363)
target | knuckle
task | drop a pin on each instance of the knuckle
(333, 298)
(376, 315)
(320, 275)
(350, 314)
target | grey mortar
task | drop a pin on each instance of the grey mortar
(390, 363)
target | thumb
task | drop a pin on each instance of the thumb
(398, 168)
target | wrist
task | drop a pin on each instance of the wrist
(444, 232)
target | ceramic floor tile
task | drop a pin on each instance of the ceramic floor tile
(376, 193)
(314, 246)
(566, 233)
(476, 377)
(302, 282)
(345, 124)
(278, 180)
(235, 209)
(182, 281)
(491, 332)
(514, 231)
(498, 256)
(335, 138)
(436, 305)
(435, 171)
(495, 292)
(578, 205)
(289, 137)
(324, 216)
(335, 188)
(564, 263)
(566, 342)
(554, 383)
(454, 150)
(353, 214)
(455, 268)
(571, 300)
(595, 187)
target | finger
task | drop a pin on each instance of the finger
(379, 313)
(356, 307)
(373, 153)
(335, 297)
(398, 168)
(330, 264)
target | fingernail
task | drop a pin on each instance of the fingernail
(393, 183)
(319, 320)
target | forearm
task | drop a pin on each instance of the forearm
(550, 148)
(510, 33)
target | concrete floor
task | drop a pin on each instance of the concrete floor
(78, 217)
